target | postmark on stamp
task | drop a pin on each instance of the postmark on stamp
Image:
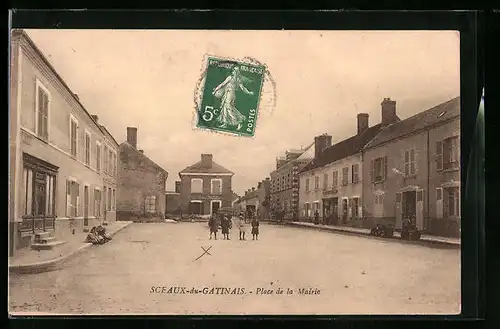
(230, 96)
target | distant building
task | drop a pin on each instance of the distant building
(257, 200)
(331, 183)
(62, 173)
(141, 181)
(284, 182)
(412, 169)
(206, 186)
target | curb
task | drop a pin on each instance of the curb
(52, 264)
(421, 242)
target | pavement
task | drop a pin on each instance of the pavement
(175, 269)
(32, 261)
(427, 240)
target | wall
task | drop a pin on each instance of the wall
(137, 179)
(55, 149)
(173, 201)
(350, 190)
(226, 197)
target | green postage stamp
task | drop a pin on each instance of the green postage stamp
(230, 96)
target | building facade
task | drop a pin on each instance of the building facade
(58, 174)
(284, 181)
(257, 200)
(413, 171)
(331, 184)
(206, 187)
(142, 183)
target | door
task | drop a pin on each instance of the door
(345, 210)
(215, 206)
(399, 210)
(85, 206)
(420, 209)
(40, 201)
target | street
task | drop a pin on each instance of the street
(136, 272)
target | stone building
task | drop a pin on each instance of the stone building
(412, 169)
(142, 183)
(331, 183)
(205, 187)
(62, 162)
(284, 182)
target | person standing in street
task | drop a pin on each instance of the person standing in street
(214, 225)
(316, 217)
(242, 227)
(255, 229)
(225, 227)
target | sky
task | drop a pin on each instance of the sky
(323, 79)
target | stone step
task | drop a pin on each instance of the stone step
(45, 239)
(41, 235)
(47, 246)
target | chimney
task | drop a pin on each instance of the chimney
(253, 189)
(246, 192)
(321, 143)
(132, 136)
(95, 118)
(142, 151)
(177, 187)
(362, 122)
(206, 160)
(259, 185)
(389, 112)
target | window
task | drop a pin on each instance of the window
(72, 198)
(114, 199)
(448, 153)
(316, 182)
(439, 194)
(98, 157)
(345, 176)
(151, 204)
(115, 165)
(355, 207)
(196, 185)
(355, 173)
(335, 179)
(216, 186)
(307, 186)
(451, 202)
(42, 111)
(110, 161)
(87, 148)
(410, 168)
(379, 169)
(73, 136)
(97, 203)
(308, 210)
(325, 181)
(110, 199)
(104, 192)
(105, 158)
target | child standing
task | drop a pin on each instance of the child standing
(212, 223)
(225, 227)
(242, 227)
(255, 229)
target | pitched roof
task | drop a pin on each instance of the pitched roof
(438, 114)
(250, 195)
(133, 149)
(343, 149)
(198, 168)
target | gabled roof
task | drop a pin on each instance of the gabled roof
(426, 119)
(198, 168)
(133, 149)
(250, 195)
(343, 149)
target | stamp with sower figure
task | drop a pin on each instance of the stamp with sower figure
(230, 96)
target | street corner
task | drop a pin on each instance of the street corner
(229, 94)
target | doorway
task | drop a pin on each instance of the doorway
(196, 208)
(409, 205)
(215, 205)
(345, 210)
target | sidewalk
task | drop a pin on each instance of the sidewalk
(32, 261)
(424, 240)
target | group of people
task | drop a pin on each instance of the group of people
(226, 224)
(98, 235)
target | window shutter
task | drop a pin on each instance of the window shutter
(68, 198)
(413, 166)
(439, 202)
(360, 208)
(372, 172)
(439, 155)
(384, 167)
(77, 208)
(398, 197)
(445, 204)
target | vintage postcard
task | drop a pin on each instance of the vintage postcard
(233, 172)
